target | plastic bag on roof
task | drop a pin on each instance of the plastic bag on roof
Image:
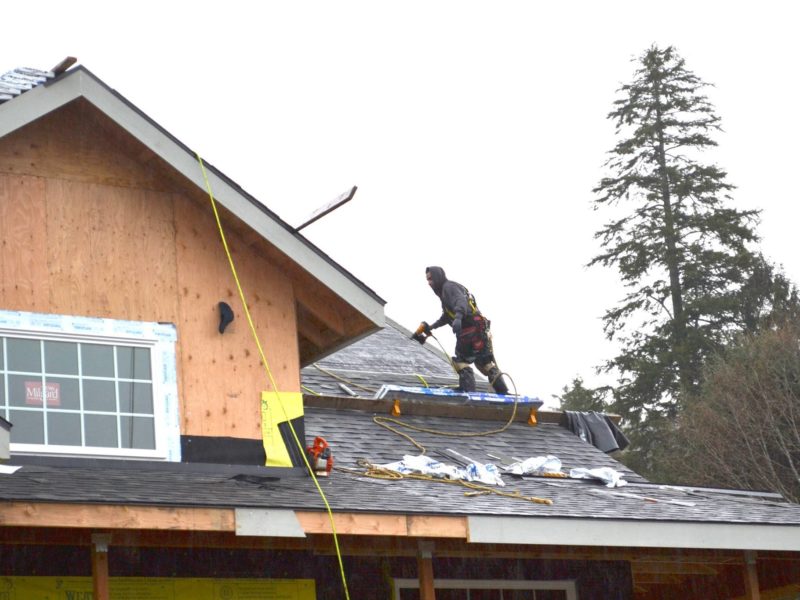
(607, 475)
(536, 465)
(484, 473)
(426, 466)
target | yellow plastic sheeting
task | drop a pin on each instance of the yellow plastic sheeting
(157, 588)
(277, 408)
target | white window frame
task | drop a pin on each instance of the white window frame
(158, 338)
(566, 585)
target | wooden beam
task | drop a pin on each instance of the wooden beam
(751, 587)
(311, 333)
(28, 514)
(100, 585)
(425, 570)
(353, 523)
(422, 407)
(384, 525)
(373, 534)
(377, 535)
(437, 527)
(675, 568)
(657, 578)
(314, 301)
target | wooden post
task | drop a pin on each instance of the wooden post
(425, 568)
(751, 588)
(100, 542)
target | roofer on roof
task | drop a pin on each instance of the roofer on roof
(471, 328)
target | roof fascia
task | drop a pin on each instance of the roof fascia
(635, 534)
(79, 82)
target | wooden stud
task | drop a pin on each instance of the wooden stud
(100, 587)
(751, 587)
(425, 568)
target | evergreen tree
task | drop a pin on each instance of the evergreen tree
(681, 250)
(582, 399)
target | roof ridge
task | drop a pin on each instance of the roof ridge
(345, 370)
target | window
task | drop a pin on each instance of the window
(73, 385)
(489, 589)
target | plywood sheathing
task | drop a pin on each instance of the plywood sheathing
(84, 249)
(24, 277)
(101, 226)
(230, 364)
(111, 251)
(79, 143)
(325, 321)
(93, 225)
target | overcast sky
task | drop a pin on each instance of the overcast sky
(475, 132)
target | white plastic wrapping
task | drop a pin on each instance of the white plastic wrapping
(424, 465)
(607, 475)
(536, 465)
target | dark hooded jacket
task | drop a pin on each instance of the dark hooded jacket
(456, 300)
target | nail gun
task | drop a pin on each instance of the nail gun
(422, 333)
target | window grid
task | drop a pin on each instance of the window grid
(4, 383)
(81, 401)
(81, 379)
(42, 380)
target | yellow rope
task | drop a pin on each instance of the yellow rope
(269, 371)
(343, 380)
(310, 391)
(450, 360)
(382, 421)
(422, 379)
(476, 489)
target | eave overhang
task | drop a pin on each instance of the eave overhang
(633, 533)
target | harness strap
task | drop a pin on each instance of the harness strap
(473, 306)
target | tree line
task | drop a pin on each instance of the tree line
(708, 367)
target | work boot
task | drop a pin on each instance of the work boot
(466, 380)
(497, 381)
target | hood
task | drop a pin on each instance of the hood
(437, 277)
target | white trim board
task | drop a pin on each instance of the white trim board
(45, 98)
(629, 533)
(266, 522)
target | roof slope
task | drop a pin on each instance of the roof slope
(21, 80)
(388, 356)
(640, 514)
(353, 435)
